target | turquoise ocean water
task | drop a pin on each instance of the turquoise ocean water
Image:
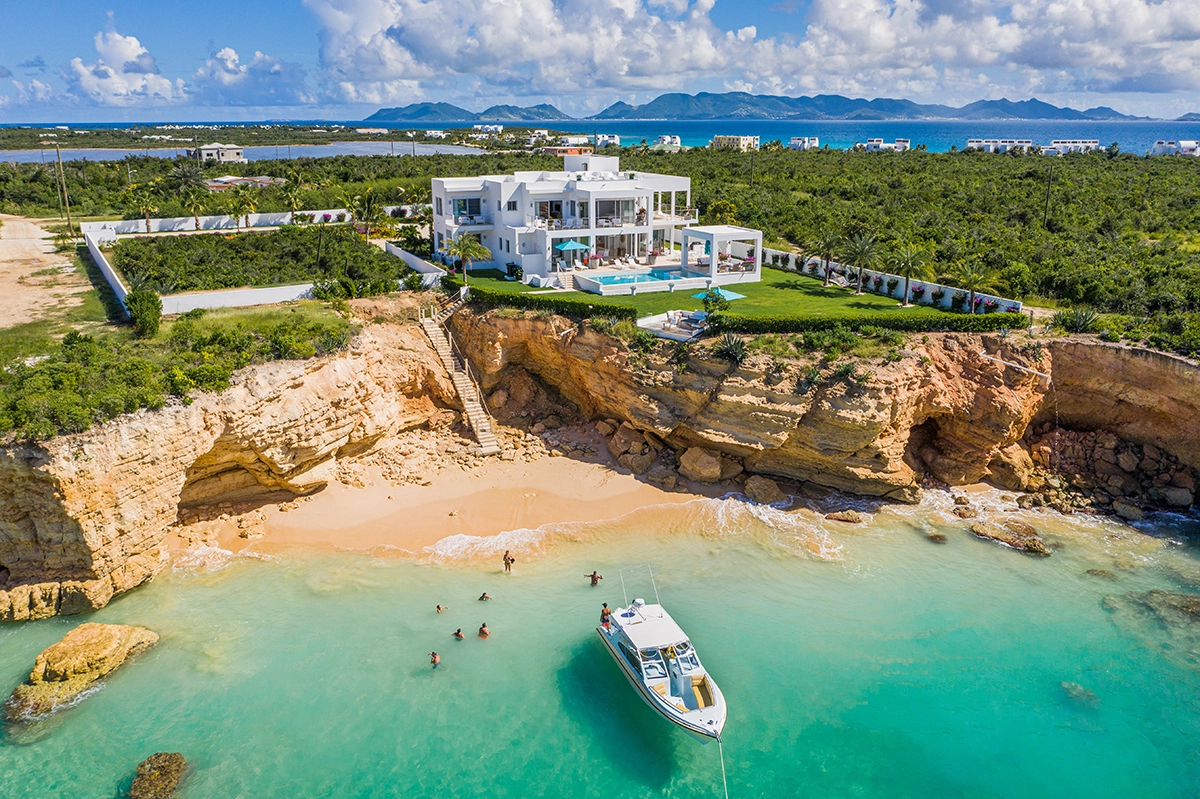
(868, 663)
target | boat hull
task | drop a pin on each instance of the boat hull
(702, 734)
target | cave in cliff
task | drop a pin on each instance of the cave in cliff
(230, 472)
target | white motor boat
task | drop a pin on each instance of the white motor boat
(660, 662)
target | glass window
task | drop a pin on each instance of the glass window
(438, 202)
(512, 205)
(467, 207)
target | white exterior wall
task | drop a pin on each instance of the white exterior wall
(108, 231)
(431, 275)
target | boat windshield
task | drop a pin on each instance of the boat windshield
(683, 655)
(652, 664)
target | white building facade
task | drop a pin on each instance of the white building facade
(669, 141)
(1000, 145)
(741, 143)
(1065, 146)
(217, 153)
(608, 140)
(1181, 147)
(880, 146)
(804, 143)
(529, 218)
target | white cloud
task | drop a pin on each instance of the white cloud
(126, 74)
(33, 91)
(265, 80)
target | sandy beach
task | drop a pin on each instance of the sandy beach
(485, 501)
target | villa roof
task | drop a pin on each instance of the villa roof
(723, 231)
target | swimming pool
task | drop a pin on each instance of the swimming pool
(653, 276)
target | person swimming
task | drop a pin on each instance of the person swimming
(435, 659)
(595, 578)
(484, 597)
(441, 608)
(458, 633)
(484, 632)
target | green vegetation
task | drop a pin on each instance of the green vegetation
(145, 310)
(293, 254)
(89, 379)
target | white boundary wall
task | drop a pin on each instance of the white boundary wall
(431, 275)
(182, 303)
(108, 231)
(794, 261)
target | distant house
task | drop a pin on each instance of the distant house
(1182, 147)
(569, 150)
(436, 134)
(1064, 146)
(574, 141)
(804, 143)
(739, 143)
(880, 146)
(371, 131)
(608, 140)
(489, 128)
(669, 141)
(999, 145)
(217, 153)
(217, 185)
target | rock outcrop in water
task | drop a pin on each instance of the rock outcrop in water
(83, 517)
(158, 776)
(65, 670)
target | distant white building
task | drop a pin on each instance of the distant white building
(1182, 147)
(999, 145)
(217, 153)
(880, 146)
(740, 143)
(574, 141)
(669, 141)
(804, 143)
(371, 131)
(608, 140)
(436, 134)
(489, 128)
(1064, 146)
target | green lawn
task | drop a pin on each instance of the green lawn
(779, 293)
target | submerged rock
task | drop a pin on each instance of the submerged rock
(1017, 539)
(849, 515)
(937, 538)
(158, 776)
(1102, 573)
(764, 490)
(1167, 620)
(1077, 692)
(65, 670)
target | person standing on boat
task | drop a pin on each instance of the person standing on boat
(605, 613)
(509, 560)
(435, 659)
(595, 578)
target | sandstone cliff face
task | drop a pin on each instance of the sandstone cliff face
(951, 408)
(82, 517)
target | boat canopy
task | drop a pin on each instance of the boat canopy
(649, 630)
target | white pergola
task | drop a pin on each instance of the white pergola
(719, 260)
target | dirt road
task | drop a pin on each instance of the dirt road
(35, 281)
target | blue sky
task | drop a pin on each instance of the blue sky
(138, 60)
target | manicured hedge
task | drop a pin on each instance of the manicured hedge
(914, 323)
(578, 309)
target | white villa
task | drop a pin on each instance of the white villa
(217, 153)
(880, 146)
(574, 141)
(488, 128)
(669, 141)
(614, 231)
(999, 145)
(740, 143)
(608, 139)
(1182, 147)
(804, 143)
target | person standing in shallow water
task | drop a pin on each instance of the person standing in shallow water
(435, 659)
(484, 632)
(595, 578)
(509, 560)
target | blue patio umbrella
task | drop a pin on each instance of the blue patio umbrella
(728, 295)
(568, 246)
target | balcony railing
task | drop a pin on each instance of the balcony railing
(466, 220)
(684, 215)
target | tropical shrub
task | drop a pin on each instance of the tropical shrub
(1076, 320)
(731, 348)
(145, 311)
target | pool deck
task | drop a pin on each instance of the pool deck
(661, 327)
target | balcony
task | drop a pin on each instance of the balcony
(469, 221)
(682, 216)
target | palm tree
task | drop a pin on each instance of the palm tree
(910, 261)
(862, 251)
(467, 248)
(825, 246)
(292, 194)
(185, 175)
(141, 197)
(973, 276)
(195, 202)
(242, 202)
(364, 209)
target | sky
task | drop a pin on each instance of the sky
(342, 59)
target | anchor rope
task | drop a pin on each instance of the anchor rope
(724, 781)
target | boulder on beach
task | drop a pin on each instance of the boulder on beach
(626, 438)
(764, 490)
(850, 516)
(65, 670)
(158, 776)
(1019, 538)
(662, 476)
(701, 465)
(1011, 467)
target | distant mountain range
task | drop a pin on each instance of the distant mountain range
(740, 105)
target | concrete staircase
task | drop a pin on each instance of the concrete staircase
(567, 279)
(477, 415)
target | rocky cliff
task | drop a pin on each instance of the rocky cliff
(83, 516)
(956, 407)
